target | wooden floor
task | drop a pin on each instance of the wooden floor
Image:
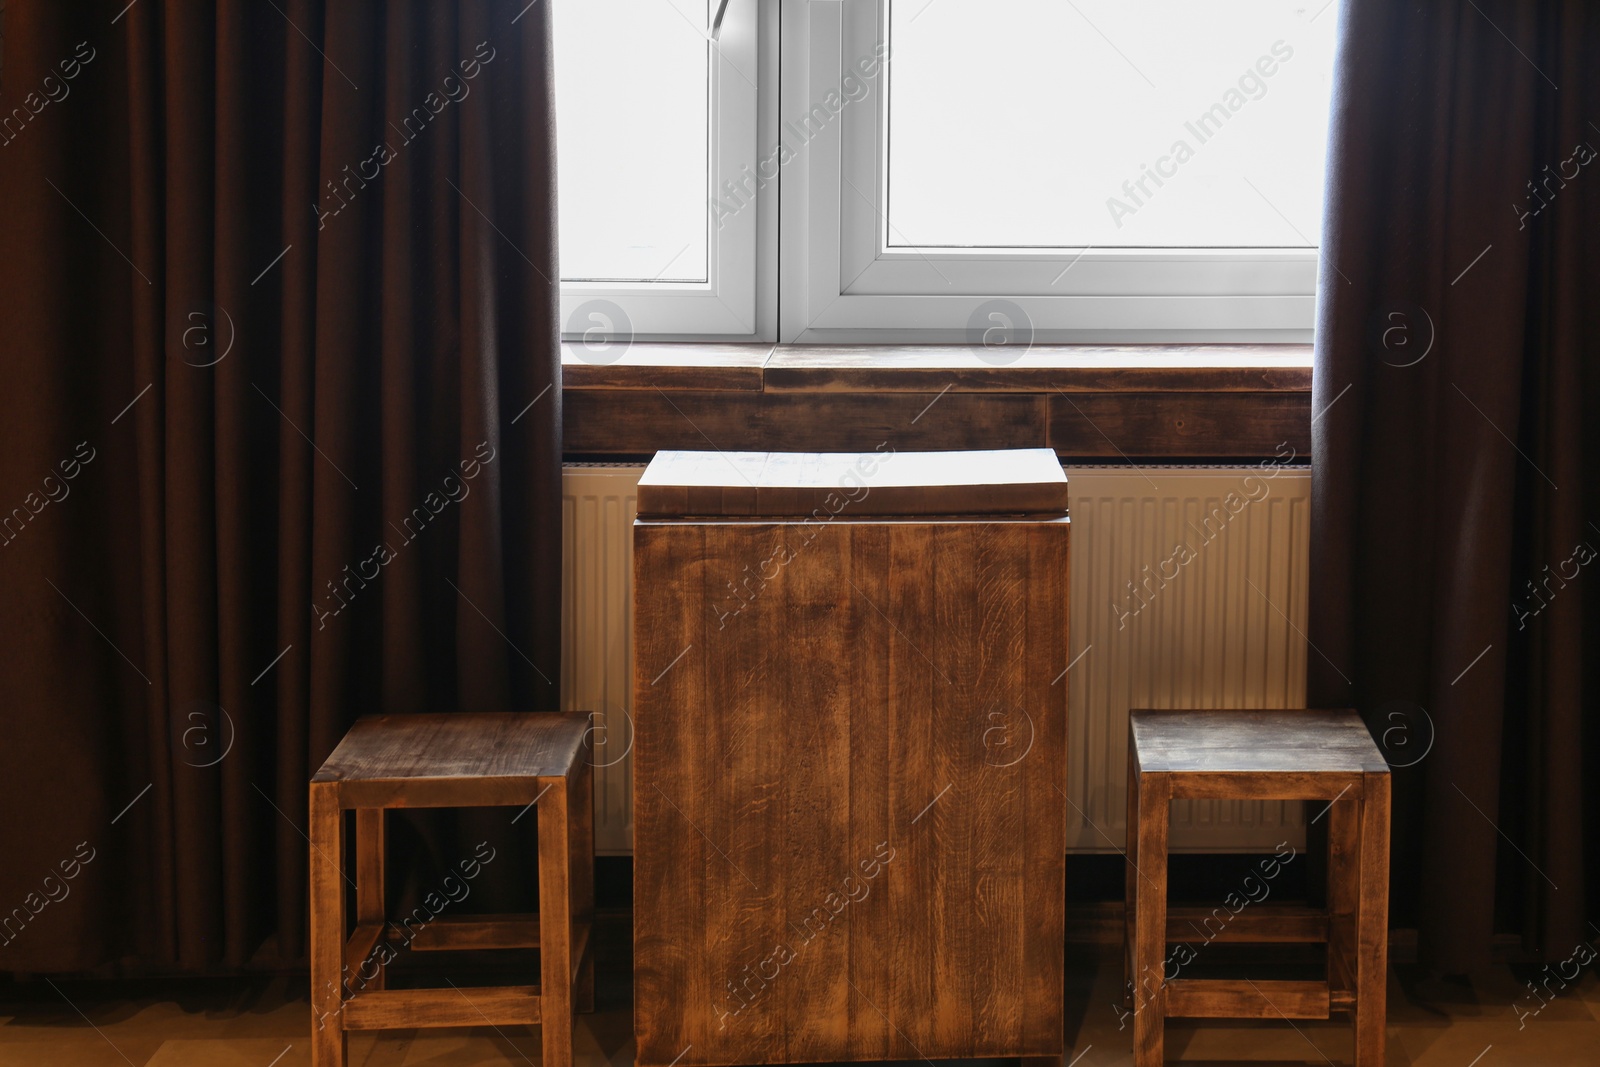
(264, 1023)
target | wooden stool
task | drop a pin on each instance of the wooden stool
(452, 761)
(1261, 755)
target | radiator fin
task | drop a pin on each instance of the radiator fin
(1188, 590)
(598, 505)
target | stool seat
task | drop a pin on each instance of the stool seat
(1258, 755)
(466, 759)
(1267, 742)
(530, 760)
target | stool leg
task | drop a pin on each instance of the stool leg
(370, 846)
(582, 863)
(1150, 920)
(328, 1047)
(1372, 948)
(555, 923)
(1344, 891)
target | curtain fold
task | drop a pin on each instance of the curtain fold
(1454, 500)
(279, 293)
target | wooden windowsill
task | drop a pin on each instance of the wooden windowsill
(677, 366)
(1088, 402)
(924, 368)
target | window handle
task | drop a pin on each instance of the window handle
(716, 19)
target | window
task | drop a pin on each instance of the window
(655, 111)
(628, 223)
(1090, 150)
(1078, 170)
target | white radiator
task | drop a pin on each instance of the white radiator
(598, 504)
(1221, 624)
(1188, 591)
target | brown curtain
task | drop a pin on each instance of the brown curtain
(281, 403)
(1455, 578)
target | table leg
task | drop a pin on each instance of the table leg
(1150, 922)
(582, 866)
(555, 923)
(370, 855)
(1372, 948)
(1344, 890)
(328, 1044)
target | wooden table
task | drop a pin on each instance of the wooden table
(850, 757)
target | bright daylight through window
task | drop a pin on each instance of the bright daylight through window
(1133, 169)
(1027, 123)
(632, 85)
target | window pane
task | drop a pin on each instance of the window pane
(632, 122)
(1108, 123)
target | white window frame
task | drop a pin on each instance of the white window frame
(728, 305)
(841, 281)
(835, 278)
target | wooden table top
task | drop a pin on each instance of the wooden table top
(853, 484)
(457, 746)
(1271, 742)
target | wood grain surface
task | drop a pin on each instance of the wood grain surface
(689, 365)
(1179, 424)
(1307, 754)
(669, 366)
(1286, 742)
(1112, 426)
(644, 421)
(457, 760)
(823, 485)
(1085, 401)
(406, 1009)
(1220, 998)
(848, 770)
(1042, 368)
(454, 760)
